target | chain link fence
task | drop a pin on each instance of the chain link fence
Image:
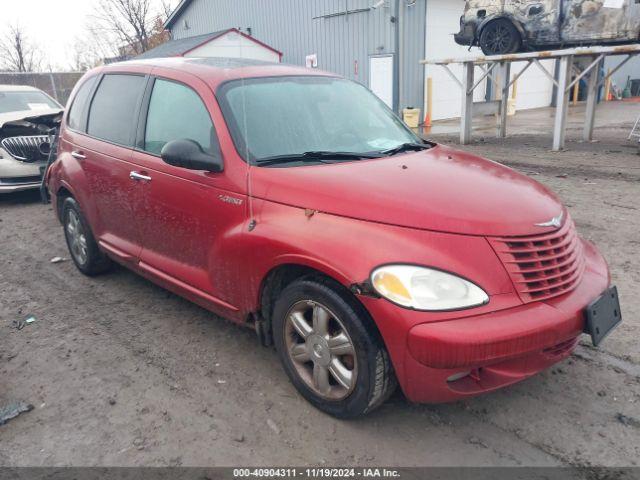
(56, 84)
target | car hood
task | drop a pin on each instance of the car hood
(439, 189)
(28, 115)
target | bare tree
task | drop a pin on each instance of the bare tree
(128, 26)
(167, 9)
(17, 52)
(85, 55)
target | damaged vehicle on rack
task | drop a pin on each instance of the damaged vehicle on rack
(501, 27)
(28, 122)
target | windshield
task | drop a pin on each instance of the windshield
(22, 101)
(281, 116)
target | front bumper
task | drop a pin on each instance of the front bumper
(19, 184)
(16, 176)
(466, 35)
(496, 348)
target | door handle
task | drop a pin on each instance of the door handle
(138, 176)
(78, 155)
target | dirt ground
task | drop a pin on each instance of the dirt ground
(122, 372)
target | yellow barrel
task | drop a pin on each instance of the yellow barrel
(411, 117)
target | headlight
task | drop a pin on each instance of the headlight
(424, 288)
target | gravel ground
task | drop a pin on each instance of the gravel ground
(121, 372)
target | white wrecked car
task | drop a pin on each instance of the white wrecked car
(27, 117)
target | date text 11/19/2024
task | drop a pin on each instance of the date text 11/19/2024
(269, 473)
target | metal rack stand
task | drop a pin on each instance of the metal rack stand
(635, 131)
(502, 63)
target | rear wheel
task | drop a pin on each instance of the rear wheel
(327, 347)
(500, 37)
(83, 248)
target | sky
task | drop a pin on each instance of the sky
(54, 25)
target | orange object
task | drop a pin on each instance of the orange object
(427, 120)
(429, 95)
(607, 87)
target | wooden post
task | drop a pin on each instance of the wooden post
(576, 92)
(429, 98)
(607, 86)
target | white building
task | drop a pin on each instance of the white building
(228, 43)
(376, 42)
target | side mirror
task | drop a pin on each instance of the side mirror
(189, 154)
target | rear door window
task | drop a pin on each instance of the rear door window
(176, 112)
(114, 109)
(78, 111)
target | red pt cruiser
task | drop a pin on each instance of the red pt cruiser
(295, 202)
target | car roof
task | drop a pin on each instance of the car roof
(215, 71)
(18, 88)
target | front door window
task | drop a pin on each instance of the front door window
(176, 112)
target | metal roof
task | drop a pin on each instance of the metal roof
(177, 48)
(176, 14)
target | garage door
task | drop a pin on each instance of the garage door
(443, 20)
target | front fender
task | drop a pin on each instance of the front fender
(310, 261)
(344, 249)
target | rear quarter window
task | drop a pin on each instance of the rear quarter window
(114, 109)
(78, 110)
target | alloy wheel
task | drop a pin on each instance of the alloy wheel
(321, 350)
(498, 39)
(77, 238)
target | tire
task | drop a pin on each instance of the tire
(82, 245)
(339, 337)
(500, 37)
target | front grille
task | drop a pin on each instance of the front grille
(32, 148)
(543, 266)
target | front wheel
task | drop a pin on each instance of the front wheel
(500, 37)
(330, 349)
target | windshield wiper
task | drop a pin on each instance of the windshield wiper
(407, 147)
(313, 157)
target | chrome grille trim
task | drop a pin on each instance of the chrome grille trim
(26, 148)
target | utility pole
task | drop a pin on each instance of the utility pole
(401, 59)
(398, 20)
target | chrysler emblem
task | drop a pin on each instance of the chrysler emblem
(554, 222)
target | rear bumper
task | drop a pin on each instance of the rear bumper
(494, 349)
